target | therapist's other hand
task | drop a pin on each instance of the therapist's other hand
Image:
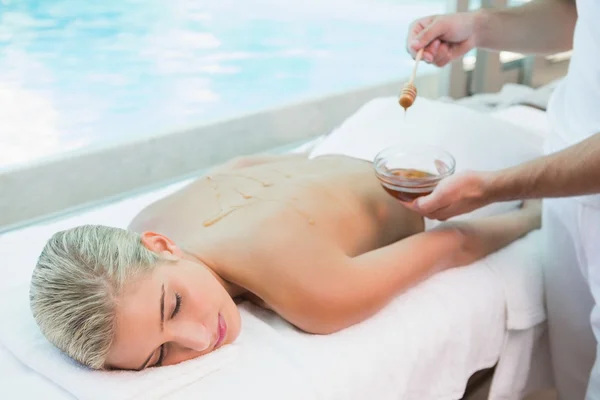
(458, 194)
(444, 37)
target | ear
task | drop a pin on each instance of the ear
(161, 244)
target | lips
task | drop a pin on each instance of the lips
(221, 331)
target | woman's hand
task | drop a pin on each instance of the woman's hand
(444, 37)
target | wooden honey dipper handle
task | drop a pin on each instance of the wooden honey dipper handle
(417, 59)
(409, 92)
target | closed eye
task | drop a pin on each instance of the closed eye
(161, 357)
(177, 305)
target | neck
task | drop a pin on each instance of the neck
(231, 288)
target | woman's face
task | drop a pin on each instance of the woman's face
(177, 312)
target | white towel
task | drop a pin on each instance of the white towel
(257, 341)
(514, 135)
(423, 346)
(23, 338)
(522, 281)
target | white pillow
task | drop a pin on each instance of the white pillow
(477, 141)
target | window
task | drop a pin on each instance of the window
(77, 74)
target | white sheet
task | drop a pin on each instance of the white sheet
(438, 333)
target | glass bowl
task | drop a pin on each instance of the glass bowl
(411, 171)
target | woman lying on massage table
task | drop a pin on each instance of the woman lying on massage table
(318, 241)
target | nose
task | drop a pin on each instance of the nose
(192, 335)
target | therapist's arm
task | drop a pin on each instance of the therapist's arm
(540, 26)
(573, 171)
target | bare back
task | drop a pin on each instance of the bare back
(268, 213)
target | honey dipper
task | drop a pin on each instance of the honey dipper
(409, 91)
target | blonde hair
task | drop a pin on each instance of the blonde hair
(75, 285)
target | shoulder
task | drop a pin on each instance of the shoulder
(141, 222)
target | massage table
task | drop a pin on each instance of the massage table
(425, 345)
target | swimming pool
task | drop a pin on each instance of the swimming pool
(79, 73)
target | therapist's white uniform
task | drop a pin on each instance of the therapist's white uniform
(572, 225)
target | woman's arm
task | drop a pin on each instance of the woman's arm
(343, 292)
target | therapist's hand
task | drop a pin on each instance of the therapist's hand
(458, 194)
(444, 37)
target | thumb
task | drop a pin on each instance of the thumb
(427, 204)
(428, 35)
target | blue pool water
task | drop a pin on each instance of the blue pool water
(77, 73)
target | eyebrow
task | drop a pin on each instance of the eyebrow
(162, 323)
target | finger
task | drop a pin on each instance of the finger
(442, 53)
(440, 214)
(430, 204)
(442, 61)
(419, 26)
(410, 205)
(413, 206)
(433, 31)
(431, 50)
(460, 49)
(415, 29)
(412, 32)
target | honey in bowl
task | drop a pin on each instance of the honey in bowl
(408, 194)
(408, 172)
